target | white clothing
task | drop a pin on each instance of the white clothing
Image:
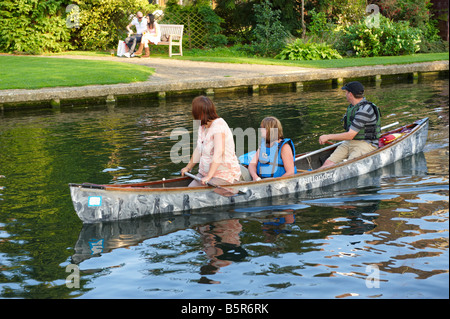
(152, 35)
(140, 26)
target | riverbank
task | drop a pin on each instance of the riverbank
(174, 76)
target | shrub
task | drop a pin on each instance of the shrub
(33, 26)
(417, 12)
(389, 38)
(431, 41)
(318, 25)
(212, 25)
(238, 18)
(299, 50)
(269, 33)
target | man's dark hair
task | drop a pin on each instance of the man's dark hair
(356, 88)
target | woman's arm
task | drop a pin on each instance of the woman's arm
(195, 158)
(218, 156)
(288, 160)
(253, 165)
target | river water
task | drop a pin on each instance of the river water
(384, 235)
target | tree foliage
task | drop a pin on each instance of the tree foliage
(389, 38)
(33, 26)
(238, 18)
(270, 35)
(103, 22)
(36, 26)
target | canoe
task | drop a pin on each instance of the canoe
(99, 203)
(98, 239)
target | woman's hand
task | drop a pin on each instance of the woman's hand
(194, 159)
(206, 179)
(184, 170)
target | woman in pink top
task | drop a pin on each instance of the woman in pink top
(215, 150)
(151, 35)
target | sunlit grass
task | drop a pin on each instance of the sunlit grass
(25, 72)
(215, 56)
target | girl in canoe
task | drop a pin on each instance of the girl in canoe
(215, 150)
(275, 156)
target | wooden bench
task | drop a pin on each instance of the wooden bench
(172, 34)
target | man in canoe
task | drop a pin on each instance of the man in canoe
(362, 124)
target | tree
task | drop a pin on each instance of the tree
(269, 32)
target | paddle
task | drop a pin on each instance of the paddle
(245, 159)
(334, 145)
(224, 191)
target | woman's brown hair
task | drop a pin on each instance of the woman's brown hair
(151, 19)
(204, 110)
(272, 125)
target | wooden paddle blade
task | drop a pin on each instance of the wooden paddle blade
(225, 192)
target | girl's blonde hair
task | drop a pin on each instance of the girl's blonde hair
(274, 130)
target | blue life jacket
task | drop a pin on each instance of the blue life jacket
(270, 163)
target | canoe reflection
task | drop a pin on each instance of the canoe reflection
(219, 229)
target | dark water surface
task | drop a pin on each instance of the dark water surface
(382, 235)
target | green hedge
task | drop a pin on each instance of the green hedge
(37, 26)
(33, 26)
(386, 38)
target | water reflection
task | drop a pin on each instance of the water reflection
(221, 242)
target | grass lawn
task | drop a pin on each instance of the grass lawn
(25, 72)
(335, 63)
(230, 55)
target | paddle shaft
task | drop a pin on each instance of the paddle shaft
(334, 145)
(209, 183)
(198, 179)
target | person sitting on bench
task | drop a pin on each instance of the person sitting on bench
(151, 35)
(132, 40)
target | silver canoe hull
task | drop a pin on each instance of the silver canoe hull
(98, 203)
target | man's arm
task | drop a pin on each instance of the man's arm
(338, 137)
(130, 32)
